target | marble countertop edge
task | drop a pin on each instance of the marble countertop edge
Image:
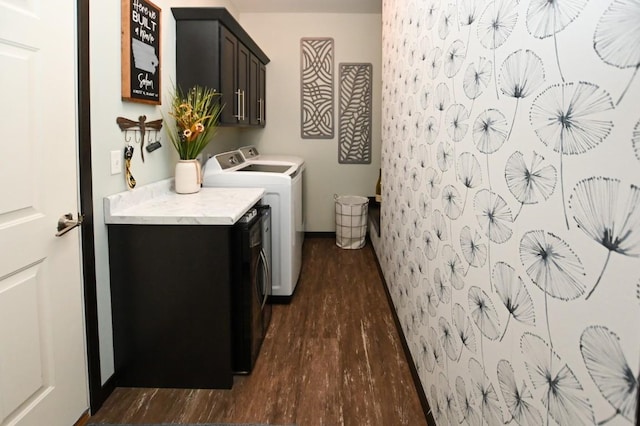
(158, 204)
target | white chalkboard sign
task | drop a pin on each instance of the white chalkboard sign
(141, 51)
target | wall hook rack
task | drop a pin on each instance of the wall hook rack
(142, 129)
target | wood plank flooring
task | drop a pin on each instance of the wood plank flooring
(331, 357)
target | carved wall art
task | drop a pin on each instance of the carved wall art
(354, 140)
(316, 88)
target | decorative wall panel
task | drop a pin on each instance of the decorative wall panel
(354, 140)
(511, 212)
(316, 88)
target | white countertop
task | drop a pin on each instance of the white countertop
(158, 204)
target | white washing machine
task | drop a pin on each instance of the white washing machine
(281, 177)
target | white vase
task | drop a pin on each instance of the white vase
(188, 176)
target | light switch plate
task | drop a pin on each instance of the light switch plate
(116, 162)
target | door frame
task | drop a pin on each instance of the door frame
(97, 392)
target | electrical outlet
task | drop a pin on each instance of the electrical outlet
(116, 162)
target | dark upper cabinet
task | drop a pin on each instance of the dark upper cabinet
(234, 72)
(243, 84)
(213, 50)
(262, 91)
(257, 92)
(228, 75)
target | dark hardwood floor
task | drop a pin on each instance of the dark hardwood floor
(331, 357)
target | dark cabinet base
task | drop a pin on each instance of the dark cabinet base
(170, 305)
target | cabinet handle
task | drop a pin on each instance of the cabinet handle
(259, 110)
(242, 110)
(267, 273)
(238, 100)
(244, 104)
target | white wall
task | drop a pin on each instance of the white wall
(106, 136)
(514, 310)
(357, 38)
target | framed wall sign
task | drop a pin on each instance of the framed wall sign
(141, 52)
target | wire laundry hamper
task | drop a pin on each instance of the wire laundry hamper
(351, 221)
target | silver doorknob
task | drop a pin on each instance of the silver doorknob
(66, 223)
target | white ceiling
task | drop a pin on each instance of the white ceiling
(308, 6)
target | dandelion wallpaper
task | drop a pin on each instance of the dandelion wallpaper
(510, 237)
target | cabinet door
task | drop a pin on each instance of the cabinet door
(262, 94)
(257, 81)
(229, 76)
(243, 84)
(254, 78)
(170, 301)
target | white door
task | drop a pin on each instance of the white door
(42, 354)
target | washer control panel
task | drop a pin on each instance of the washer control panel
(229, 159)
(249, 152)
